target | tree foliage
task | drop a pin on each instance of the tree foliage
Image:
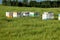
(43, 4)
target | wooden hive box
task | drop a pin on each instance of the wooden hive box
(45, 16)
(9, 14)
(31, 14)
(15, 14)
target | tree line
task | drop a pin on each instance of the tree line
(43, 4)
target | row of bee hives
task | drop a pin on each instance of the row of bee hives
(45, 15)
(48, 15)
(21, 14)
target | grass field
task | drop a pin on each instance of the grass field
(28, 28)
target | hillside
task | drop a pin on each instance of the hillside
(28, 28)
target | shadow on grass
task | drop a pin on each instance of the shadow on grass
(6, 19)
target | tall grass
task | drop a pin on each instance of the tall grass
(29, 28)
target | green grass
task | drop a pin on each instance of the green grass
(29, 28)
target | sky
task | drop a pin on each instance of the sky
(0, 1)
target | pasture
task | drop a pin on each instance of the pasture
(29, 28)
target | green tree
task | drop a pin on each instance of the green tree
(54, 4)
(4, 2)
(45, 4)
(25, 1)
(33, 3)
(9, 2)
(16, 2)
